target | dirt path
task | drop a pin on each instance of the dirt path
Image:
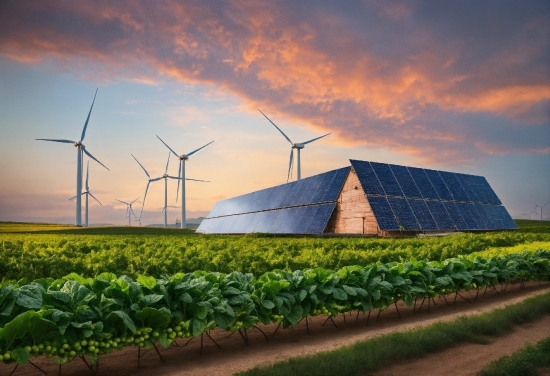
(469, 359)
(235, 356)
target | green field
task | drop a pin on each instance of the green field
(40, 250)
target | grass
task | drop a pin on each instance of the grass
(374, 354)
(524, 362)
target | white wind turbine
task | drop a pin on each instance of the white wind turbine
(181, 172)
(129, 210)
(151, 180)
(298, 146)
(80, 149)
(539, 206)
(87, 193)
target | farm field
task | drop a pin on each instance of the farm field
(84, 292)
(36, 251)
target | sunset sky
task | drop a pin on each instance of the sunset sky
(461, 86)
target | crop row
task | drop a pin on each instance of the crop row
(77, 316)
(54, 255)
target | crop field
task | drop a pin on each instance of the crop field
(71, 292)
(38, 251)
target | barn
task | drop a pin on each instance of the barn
(365, 198)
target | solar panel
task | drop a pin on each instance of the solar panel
(367, 177)
(403, 213)
(486, 189)
(387, 180)
(383, 213)
(455, 216)
(336, 185)
(423, 183)
(464, 181)
(405, 181)
(264, 221)
(439, 185)
(440, 215)
(453, 185)
(309, 214)
(320, 219)
(423, 215)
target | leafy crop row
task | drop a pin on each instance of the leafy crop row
(77, 316)
(39, 255)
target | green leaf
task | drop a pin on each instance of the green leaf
(154, 318)
(197, 326)
(30, 296)
(349, 290)
(164, 340)
(151, 299)
(268, 304)
(148, 282)
(122, 317)
(21, 356)
(223, 320)
(339, 294)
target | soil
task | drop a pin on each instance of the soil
(234, 355)
(470, 359)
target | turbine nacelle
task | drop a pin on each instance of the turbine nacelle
(78, 143)
(298, 146)
(183, 157)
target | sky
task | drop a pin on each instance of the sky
(460, 86)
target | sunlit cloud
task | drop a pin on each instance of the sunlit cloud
(432, 81)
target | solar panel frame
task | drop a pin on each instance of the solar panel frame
(405, 181)
(387, 179)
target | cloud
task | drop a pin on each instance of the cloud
(434, 81)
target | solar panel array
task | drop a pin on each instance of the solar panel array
(299, 207)
(416, 199)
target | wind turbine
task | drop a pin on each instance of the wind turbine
(129, 210)
(529, 214)
(80, 149)
(298, 146)
(539, 206)
(87, 193)
(181, 172)
(151, 180)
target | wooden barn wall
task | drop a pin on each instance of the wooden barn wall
(353, 214)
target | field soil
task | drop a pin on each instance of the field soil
(235, 355)
(469, 359)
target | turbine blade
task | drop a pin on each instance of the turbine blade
(288, 139)
(95, 198)
(146, 173)
(290, 164)
(307, 142)
(88, 119)
(122, 202)
(167, 163)
(78, 195)
(174, 177)
(91, 156)
(134, 201)
(87, 170)
(155, 179)
(144, 198)
(176, 154)
(202, 147)
(204, 181)
(56, 140)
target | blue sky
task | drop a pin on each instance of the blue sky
(457, 86)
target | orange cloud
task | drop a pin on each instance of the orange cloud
(399, 76)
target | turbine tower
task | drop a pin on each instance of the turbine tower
(539, 206)
(151, 180)
(129, 210)
(87, 193)
(181, 172)
(80, 149)
(298, 146)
